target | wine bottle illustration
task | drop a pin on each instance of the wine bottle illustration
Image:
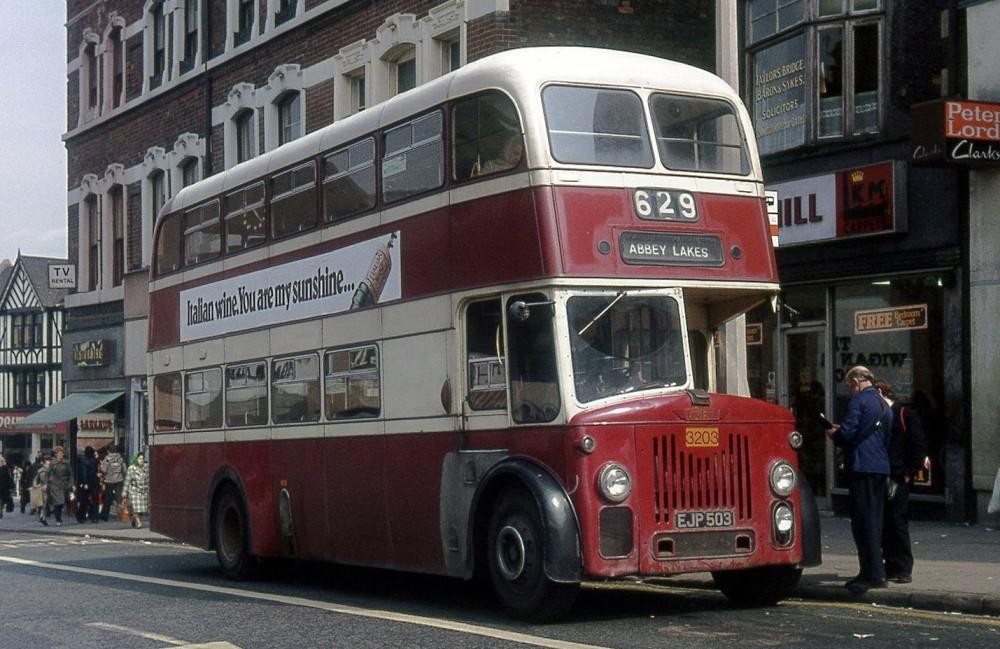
(370, 289)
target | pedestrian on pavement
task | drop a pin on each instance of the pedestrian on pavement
(137, 489)
(864, 436)
(87, 486)
(113, 467)
(41, 482)
(27, 479)
(15, 471)
(60, 483)
(907, 455)
(6, 487)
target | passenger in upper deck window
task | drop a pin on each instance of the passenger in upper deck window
(508, 157)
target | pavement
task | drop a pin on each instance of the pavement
(956, 569)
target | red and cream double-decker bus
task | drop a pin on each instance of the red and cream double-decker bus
(467, 331)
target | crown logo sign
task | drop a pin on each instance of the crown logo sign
(857, 176)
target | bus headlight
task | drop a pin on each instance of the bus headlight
(783, 479)
(784, 522)
(615, 482)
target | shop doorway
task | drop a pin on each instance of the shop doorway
(806, 389)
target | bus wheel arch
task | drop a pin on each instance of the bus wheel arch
(526, 540)
(229, 530)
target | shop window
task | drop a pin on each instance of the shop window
(246, 394)
(167, 403)
(289, 117)
(203, 399)
(484, 345)
(352, 383)
(202, 233)
(293, 200)
(895, 328)
(768, 17)
(534, 383)
(168, 245)
(349, 181)
(295, 391)
(245, 222)
(486, 136)
(596, 126)
(413, 161)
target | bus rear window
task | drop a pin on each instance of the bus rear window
(698, 134)
(168, 245)
(596, 126)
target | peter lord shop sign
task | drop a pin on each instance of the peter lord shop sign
(956, 132)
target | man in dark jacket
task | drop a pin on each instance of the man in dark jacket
(907, 455)
(87, 486)
(864, 436)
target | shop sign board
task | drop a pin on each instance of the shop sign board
(62, 276)
(956, 132)
(779, 95)
(898, 318)
(92, 353)
(96, 424)
(848, 203)
(10, 419)
(755, 333)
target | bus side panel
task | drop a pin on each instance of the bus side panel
(495, 240)
(164, 311)
(252, 463)
(415, 463)
(357, 524)
(181, 476)
(424, 254)
(297, 465)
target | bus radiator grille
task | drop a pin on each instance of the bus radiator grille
(701, 479)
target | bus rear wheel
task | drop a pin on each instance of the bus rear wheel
(232, 535)
(763, 586)
(516, 561)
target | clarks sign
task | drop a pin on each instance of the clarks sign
(92, 353)
(959, 132)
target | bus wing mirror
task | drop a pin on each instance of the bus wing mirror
(520, 310)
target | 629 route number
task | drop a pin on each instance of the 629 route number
(665, 205)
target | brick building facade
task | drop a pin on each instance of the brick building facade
(162, 93)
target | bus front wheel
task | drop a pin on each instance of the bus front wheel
(516, 561)
(763, 586)
(232, 535)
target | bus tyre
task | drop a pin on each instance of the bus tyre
(764, 586)
(232, 535)
(515, 557)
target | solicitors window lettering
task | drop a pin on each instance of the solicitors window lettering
(842, 73)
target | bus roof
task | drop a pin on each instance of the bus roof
(520, 72)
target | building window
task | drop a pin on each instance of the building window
(157, 192)
(295, 392)
(244, 21)
(285, 11)
(245, 145)
(17, 338)
(356, 82)
(190, 35)
(90, 53)
(159, 25)
(289, 117)
(93, 242)
(117, 67)
(189, 171)
(246, 394)
(352, 383)
(117, 199)
(402, 64)
(816, 71)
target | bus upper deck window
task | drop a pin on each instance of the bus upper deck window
(697, 134)
(413, 162)
(245, 220)
(202, 233)
(486, 136)
(597, 126)
(293, 200)
(168, 245)
(349, 181)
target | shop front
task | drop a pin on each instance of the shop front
(18, 444)
(870, 268)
